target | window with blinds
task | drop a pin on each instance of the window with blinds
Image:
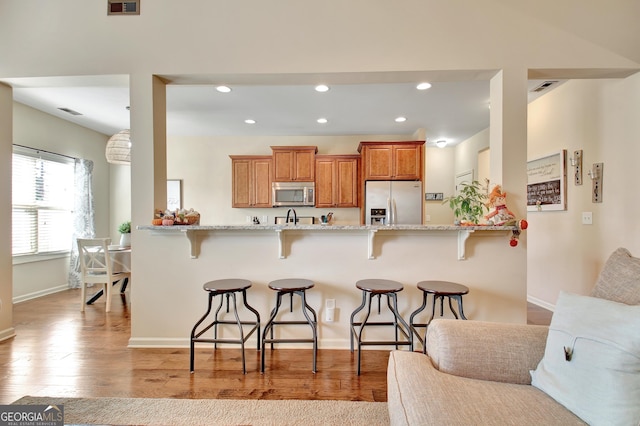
(43, 189)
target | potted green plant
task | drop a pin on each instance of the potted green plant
(125, 234)
(469, 205)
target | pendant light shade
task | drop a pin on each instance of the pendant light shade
(118, 149)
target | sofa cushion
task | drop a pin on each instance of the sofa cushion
(418, 394)
(620, 279)
(591, 363)
(486, 350)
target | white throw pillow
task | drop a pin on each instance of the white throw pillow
(591, 363)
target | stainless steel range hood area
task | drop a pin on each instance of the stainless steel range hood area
(300, 220)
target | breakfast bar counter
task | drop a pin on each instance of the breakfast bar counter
(195, 233)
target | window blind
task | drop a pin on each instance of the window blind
(43, 190)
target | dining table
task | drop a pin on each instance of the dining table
(120, 262)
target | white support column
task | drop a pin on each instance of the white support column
(148, 188)
(508, 138)
(6, 268)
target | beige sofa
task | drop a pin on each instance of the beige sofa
(478, 373)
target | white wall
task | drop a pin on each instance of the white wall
(466, 153)
(35, 129)
(204, 165)
(439, 172)
(599, 117)
(119, 198)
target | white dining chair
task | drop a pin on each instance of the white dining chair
(96, 267)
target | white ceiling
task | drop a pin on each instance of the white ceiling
(450, 110)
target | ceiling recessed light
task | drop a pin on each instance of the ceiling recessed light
(441, 143)
(401, 119)
(423, 86)
(223, 89)
(322, 120)
(250, 121)
(322, 88)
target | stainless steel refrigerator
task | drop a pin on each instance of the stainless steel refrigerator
(393, 202)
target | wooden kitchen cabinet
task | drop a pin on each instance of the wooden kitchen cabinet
(337, 180)
(251, 181)
(294, 163)
(392, 160)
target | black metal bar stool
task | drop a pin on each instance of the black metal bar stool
(439, 290)
(378, 287)
(291, 286)
(228, 288)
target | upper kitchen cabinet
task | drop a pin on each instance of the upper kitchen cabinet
(337, 180)
(251, 180)
(294, 163)
(392, 160)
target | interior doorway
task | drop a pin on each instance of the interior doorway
(463, 177)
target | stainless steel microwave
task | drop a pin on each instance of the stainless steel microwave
(293, 194)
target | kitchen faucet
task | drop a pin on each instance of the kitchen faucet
(295, 216)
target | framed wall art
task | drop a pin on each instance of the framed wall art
(547, 182)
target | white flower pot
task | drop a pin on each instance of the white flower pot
(125, 240)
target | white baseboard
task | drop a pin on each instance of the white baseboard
(7, 334)
(36, 294)
(546, 305)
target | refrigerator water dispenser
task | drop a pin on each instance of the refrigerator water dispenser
(378, 216)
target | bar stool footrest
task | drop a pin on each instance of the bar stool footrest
(385, 342)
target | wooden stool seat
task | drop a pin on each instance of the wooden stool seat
(443, 288)
(291, 286)
(225, 287)
(439, 290)
(379, 287)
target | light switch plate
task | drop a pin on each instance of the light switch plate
(587, 218)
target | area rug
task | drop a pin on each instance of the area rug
(164, 411)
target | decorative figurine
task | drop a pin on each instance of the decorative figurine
(500, 214)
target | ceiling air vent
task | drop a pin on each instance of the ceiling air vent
(544, 86)
(115, 7)
(70, 111)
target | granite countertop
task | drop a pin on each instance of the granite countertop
(192, 232)
(319, 227)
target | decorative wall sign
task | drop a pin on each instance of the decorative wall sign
(547, 183)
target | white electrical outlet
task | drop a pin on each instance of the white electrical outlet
(330, 309)
(587, 218)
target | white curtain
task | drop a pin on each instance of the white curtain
(83, 216)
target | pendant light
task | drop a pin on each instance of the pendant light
(118, 149)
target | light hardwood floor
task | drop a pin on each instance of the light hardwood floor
(59, 351)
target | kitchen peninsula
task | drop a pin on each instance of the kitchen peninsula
(334, 257)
